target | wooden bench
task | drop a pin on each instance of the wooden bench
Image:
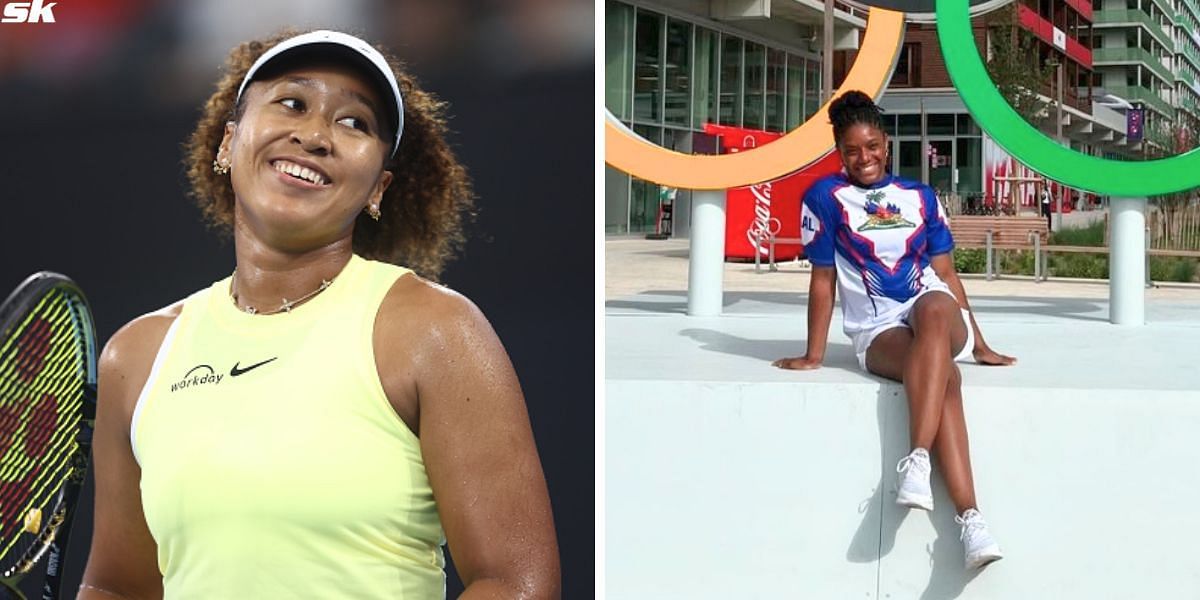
(1000, 233)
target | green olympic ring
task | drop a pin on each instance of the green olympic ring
(1030, 146)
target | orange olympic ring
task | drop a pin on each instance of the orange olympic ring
(631, 153)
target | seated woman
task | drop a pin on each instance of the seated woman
(884, 243)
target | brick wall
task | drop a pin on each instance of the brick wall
(929, 68)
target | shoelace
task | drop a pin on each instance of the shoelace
(912, 461)
(971, 525)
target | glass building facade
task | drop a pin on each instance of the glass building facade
(667, 75)
(951, 161)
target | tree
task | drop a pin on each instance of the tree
(1181, 138)
(1015, 66)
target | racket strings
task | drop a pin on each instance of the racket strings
(34, 344)
(42, 368)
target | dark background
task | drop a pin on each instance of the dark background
(96, 106)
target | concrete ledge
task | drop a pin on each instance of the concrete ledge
(785, 490)
(727, 478)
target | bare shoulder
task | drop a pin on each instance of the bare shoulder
(135, 338)
(433, 330)
(129, 354)
(423, 310)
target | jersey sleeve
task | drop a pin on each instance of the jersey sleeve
(937, 226)
(816, 233)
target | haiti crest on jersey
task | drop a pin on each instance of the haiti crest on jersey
(881, 216)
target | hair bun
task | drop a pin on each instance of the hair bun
(846, 104)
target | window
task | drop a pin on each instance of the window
(776, 94)
(643, 197)
(889, 124)
(731, 81)
(967, 126)
(795, 91)
(941, 124)
(647, 67)
(969, 162)
(618, 59)
(705, 77)
(756, 57)
(812, 88)
(678, 95)
(907, 67)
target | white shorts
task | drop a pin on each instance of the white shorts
(862, 340)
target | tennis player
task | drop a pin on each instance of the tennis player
(884, 244)
(319, 423)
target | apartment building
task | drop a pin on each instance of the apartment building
(1147, 53)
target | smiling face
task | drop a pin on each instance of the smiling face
(864, 152)
(306, 156)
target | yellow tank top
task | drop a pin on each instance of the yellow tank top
(273, 465)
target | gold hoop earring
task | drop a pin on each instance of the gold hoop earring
(373, 210)
(220, 168)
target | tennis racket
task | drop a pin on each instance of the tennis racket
(47, 410)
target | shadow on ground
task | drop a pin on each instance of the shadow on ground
(836, 355)
(675, 302)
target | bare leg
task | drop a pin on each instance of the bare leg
(920, 358)
(954, 456)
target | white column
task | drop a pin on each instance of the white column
(1127, 261)
(706, 260)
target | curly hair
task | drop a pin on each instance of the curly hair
(853, 108)
(424, 207)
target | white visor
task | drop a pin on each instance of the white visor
(361, 49)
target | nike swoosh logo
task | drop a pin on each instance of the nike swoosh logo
(235, 371)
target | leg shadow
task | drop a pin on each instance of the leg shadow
(869, 542)
(876, 534)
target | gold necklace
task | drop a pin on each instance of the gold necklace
(283, 308)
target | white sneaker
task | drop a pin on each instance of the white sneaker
(914, 489)
(979, 545)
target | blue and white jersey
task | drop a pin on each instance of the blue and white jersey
(880, 239)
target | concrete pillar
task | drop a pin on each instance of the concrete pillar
(1127, 261)
(706, 260)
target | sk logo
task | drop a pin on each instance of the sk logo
(28, 12)
(883, 217)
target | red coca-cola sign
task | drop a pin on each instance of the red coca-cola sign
(754, 213)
